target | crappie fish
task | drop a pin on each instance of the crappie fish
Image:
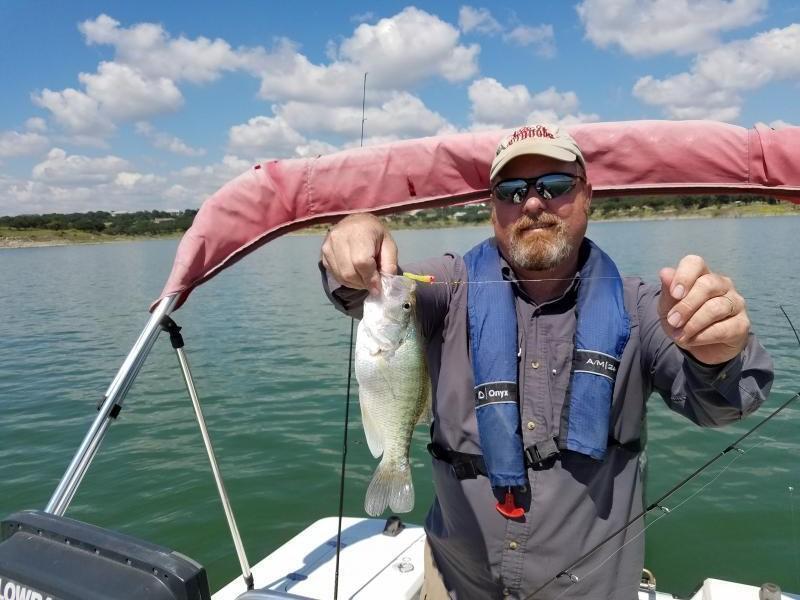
(394, 390)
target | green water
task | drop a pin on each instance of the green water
(270, 358)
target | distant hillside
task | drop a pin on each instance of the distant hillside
(628, 207)
(153, 222)
(103, 226)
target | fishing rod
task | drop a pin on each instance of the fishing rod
(568, 571)
(347, 401)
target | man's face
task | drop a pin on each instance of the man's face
(539, 234)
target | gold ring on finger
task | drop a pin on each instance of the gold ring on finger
(732, 303)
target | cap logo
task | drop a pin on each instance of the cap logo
(523, 133)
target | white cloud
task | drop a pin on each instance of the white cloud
(80, 184)
(148, 48)
(478, 19)
(225, 170)
(495, 106)
(713, 88)
(192, 185)
(647, 27)
(126, 191)
(289, 75)
(408, 47)
(402, 115)
(123, 93)
(14, 143)
(264, 137)
(143, 78)
(149, 63)
(779, 124)
(131, 180)
(36, 124)
(394, 52)
(315, 148)
(21, 196)
(60, 168)
(285, 134)
(542, 38)
(75, 111)
(165, 141)
(116, 92)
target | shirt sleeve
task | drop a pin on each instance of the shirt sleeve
(709, 395)
(433, 299)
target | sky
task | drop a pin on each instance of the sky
(148, 105)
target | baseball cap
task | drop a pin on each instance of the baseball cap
(542, 140)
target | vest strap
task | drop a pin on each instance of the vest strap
(470, 466)
(465, 466)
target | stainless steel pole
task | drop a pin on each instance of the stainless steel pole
(223, 494)
(65, 491)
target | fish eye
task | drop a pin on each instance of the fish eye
(406, 305)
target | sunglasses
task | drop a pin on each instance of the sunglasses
(548, 186)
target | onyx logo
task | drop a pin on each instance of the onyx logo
(495, 392)
(492, 394)
(498, 393)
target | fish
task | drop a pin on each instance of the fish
(394, 390)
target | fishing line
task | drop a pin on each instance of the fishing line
(664, 512)
(344, 461)
(567, 572)
(790, 323)
(460, 282)
(347, 403)
(456, 283)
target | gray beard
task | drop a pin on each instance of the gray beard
(540, 256)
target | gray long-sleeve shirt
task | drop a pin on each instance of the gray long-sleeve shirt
(574, 502)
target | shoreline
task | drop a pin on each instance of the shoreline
(42, 240)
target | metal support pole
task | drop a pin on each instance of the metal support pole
(65, 491)
(177, 343)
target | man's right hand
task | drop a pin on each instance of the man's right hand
(357, 249)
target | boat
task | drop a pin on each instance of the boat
(44, 554)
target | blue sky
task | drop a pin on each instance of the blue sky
(153, 105)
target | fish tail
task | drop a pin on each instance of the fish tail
(390, 486)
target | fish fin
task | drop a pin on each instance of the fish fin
(372, 432)
(391, 486)
(386, 375)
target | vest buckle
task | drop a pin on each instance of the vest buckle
(541, 451)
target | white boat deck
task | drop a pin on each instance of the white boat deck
(374, 566)
(716, 589)
(371, 565)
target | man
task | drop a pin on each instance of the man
(541, 365)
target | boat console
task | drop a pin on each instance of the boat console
(46, 557)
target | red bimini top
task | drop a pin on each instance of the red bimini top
(633, 157)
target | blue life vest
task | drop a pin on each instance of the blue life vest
(602, 331)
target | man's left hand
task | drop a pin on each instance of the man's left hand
(702, 311)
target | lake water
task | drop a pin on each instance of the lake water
(270, 360)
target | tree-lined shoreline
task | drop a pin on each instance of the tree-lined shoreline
(55, 229)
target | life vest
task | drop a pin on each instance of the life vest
(601, 333)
